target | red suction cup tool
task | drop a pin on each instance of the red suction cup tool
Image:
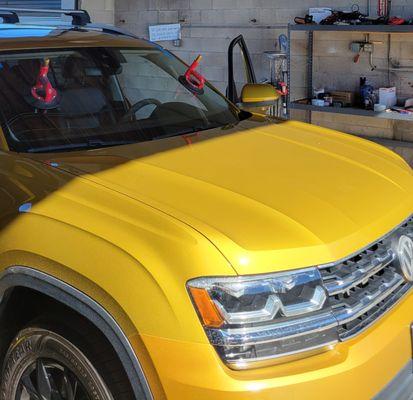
(192, 79)
(44, 94)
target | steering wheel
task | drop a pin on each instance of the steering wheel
(137, 106)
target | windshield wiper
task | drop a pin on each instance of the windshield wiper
(187, 131)
(93, 144)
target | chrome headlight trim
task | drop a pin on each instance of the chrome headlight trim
(267, 316)
(272, 333)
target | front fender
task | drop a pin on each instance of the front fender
(150, 291)
(132, 260)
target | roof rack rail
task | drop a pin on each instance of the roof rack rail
(106, 28)
(11, 15)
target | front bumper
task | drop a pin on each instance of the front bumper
(361, 368)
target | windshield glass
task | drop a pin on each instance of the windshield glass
(69, 99)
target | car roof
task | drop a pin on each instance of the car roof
(24, 36)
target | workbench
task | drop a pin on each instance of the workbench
(311, 29)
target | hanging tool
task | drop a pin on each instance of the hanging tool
(357, 57)
(384, 8)
(365, 47)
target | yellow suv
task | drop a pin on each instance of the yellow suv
(158, 242)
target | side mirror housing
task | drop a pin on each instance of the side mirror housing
(258, 97)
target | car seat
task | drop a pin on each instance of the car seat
(84, 103)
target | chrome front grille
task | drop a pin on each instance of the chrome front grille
(366, 285)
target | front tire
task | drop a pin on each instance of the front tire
(42, 365)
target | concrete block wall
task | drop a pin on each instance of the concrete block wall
(208, 28)
(209, 25)
(102, 11)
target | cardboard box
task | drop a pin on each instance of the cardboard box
(347, 98)
(388, 96)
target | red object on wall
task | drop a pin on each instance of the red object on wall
(382, 8)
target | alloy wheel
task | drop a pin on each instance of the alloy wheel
(47, 379)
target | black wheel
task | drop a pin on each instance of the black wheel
(42, 365)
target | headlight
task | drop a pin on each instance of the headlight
(252, 321)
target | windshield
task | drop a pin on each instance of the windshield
(62, 100)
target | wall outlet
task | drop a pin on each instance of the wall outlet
(368, 47)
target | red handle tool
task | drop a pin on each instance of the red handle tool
(193, 77)
(43, 90)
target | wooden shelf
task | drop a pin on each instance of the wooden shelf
(352, 111)
(353, 28)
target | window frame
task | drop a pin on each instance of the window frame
(232, 108)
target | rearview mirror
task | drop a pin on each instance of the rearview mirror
(258, 97)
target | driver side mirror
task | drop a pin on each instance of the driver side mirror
(258, 97)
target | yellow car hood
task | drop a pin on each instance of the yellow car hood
(268, 196)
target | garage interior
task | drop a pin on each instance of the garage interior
(336, 59)
(208, 26)
(197, 251)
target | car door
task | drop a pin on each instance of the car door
(239, 44)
